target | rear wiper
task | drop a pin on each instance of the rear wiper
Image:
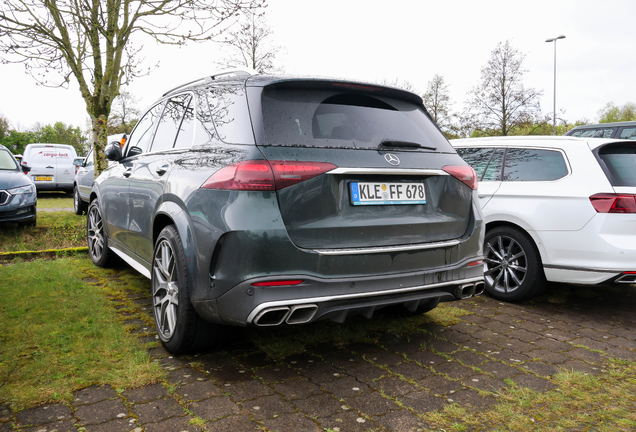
(396, 143)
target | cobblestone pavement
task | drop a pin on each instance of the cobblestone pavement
(361, 387)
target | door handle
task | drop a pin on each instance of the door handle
(50, 167)
(128, 172)
(482, 195)
(162, 169)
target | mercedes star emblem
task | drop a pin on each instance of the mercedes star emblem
(392, 159)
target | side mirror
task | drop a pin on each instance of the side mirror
(113, 151)
(26, 169)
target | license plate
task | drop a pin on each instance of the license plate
(43, 178)
(363, 193)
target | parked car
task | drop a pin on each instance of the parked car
(18, 197)
(618, 130)
(557, 209)
(82, 184)
(77, 162)
(84, 177)
(51, 166)
(257, 200)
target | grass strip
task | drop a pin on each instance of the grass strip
(603, 402)
(61, 333)
(54, 230)
(48, 200)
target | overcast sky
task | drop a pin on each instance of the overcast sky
(399, 39)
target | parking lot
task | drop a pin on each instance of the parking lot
(397, 384)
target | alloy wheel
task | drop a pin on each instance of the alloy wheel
(505, 264)
(95, 233)
(165, 290)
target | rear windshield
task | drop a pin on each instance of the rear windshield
(620, 160)
(6, 161)
(333, 118)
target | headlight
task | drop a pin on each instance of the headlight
(22, 190)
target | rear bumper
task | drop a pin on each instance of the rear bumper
(319, 298)
(598, 253)
(54, 186)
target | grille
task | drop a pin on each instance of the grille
(4, 197)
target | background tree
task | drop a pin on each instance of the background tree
(61, 133)
(250, 45)
(612, 113)
(57, 133)
(124, 113)
(399, 83)
(4, 127)
(437, 102)
(500, 102)
(92, 42)
(16, 141)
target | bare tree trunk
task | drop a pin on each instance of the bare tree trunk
(100, 130)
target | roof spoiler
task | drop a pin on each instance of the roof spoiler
(235, 72)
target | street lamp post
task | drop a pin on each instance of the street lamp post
(554, 105)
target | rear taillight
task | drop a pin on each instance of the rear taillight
(614, 203)
(247, 175)
(260, 175)
(289, 173)
(464, 174)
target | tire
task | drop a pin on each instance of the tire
(78, 205)
(96, 237)
(178, 325)
(512, 266)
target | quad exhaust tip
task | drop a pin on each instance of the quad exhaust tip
(274, 316)
(271, 316)
(470, 290)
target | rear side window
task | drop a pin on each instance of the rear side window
(230, 115)
(493, 171)
(628, 133)
(620, 161)
(534, 165)
(309, 117)
(593, 133)
(477, 158)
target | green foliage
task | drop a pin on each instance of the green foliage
(4, 126)
(16, 141)
(60, 133)
(612, 113)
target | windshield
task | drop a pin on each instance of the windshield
(7, 162)
(309, 117)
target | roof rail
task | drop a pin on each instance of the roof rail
(216, 75)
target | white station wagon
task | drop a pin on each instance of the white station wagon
(557, 209)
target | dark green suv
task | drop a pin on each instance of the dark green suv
(269, 200)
